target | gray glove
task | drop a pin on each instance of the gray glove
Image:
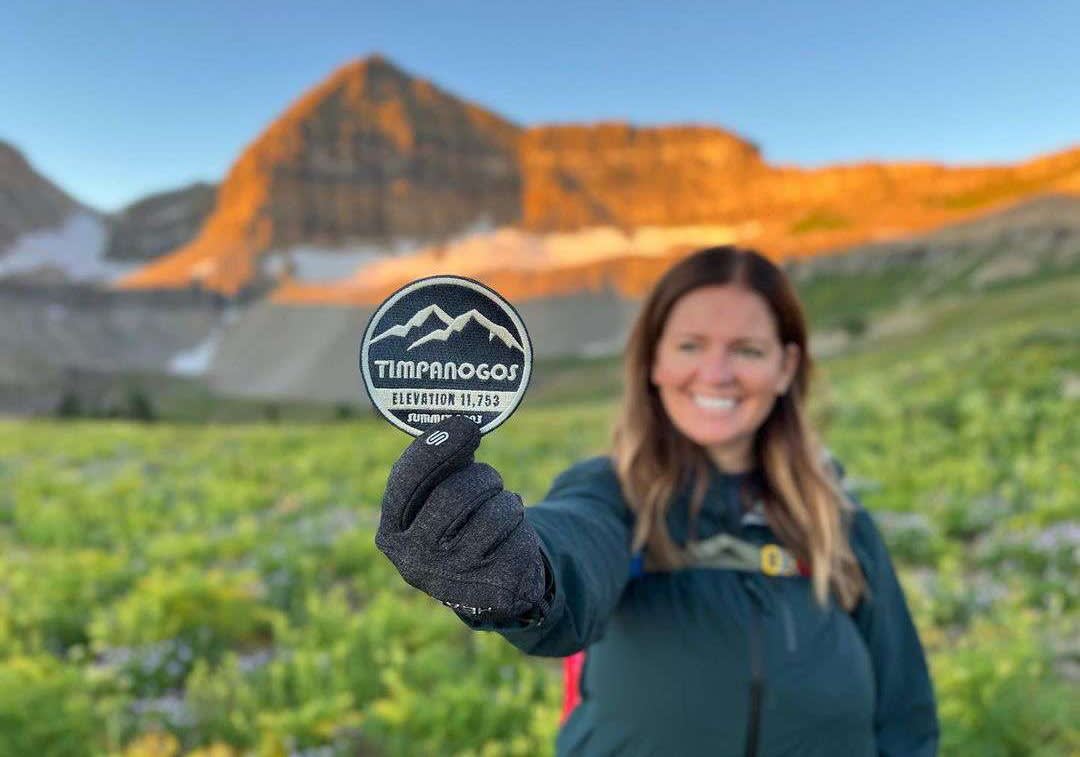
(452, 531)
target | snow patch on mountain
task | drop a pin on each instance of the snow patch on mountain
(317, 264)
(197, 360)
(76, 249)
(509, 248)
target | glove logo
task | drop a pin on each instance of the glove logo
(442, 346)
(437, 438)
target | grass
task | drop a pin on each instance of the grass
(193, 586)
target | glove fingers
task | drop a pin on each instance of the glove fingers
(508, 584)
(487, 529)
(451, 504)
(446, 447)
(533, 585)
(515, 566)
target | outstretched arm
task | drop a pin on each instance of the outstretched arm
(585, 533)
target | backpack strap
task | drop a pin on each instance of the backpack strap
(726, 552)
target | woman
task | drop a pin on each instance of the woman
(766, 618)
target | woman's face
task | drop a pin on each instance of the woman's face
(719, 367)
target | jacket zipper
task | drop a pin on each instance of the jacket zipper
(757, 668)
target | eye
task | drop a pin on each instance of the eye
(749, 351)
(687, 346)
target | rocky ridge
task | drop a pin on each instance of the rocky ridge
(159, 223)
(28, 201)
(370, 155)
(376, 157)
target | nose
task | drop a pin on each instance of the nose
(716, 368)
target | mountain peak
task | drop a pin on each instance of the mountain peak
(11, 158)
(374, 156)
(31, 201)
(406, 158)
(371, 67)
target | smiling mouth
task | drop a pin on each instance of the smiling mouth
(714, 403)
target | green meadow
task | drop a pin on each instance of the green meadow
(181, 589)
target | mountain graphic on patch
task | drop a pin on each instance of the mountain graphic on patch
(451, 326)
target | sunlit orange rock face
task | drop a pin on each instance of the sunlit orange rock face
(373, 155)
(369, 155)
(615, 174)
(785, 212)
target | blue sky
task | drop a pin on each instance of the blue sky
(113, 100)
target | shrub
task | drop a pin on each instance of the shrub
(46, 708)
(210, 610)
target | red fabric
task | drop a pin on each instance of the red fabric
(572, 666)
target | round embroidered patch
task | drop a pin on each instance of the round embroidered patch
(442, 346)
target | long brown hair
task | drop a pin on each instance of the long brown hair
(804, 504)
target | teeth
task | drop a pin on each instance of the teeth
(714, 403)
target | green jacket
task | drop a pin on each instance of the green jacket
(695, 661)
